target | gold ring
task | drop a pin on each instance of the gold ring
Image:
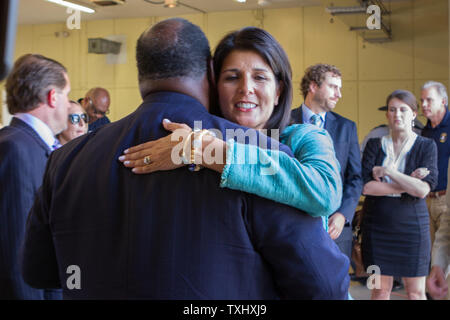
(147, 160)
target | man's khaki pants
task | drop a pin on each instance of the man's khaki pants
(436, 207)
(448, 283)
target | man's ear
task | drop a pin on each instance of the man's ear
(313, 87)
(84, 103)
(211, 74)
(51, 98)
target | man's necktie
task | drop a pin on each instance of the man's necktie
(315, 119)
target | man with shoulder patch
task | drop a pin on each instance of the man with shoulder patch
(434, 100)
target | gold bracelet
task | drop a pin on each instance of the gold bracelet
(183, 150)
(196, 144)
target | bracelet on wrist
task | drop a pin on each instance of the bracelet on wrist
(187, 141)
(194, 140)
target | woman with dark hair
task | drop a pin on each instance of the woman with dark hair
(399, 170)
(259, 42)
(254, 87)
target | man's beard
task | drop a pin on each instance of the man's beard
(323, 103)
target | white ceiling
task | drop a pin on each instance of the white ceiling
(41, 11)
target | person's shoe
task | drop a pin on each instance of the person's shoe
(397, 286)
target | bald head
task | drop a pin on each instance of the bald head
(172, 48)
(96, 103)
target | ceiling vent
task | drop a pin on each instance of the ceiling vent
(108, 3)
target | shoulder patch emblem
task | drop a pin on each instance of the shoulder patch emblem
(443, 137)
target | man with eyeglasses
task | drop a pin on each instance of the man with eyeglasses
(96, 103)
(77, 124)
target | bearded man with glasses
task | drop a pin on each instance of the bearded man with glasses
(96, 103)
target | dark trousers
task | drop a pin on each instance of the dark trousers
(344, 242)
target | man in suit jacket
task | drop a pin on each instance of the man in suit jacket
(37, 95)
(321, 88)
(100, 231)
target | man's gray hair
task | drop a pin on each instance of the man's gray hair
(440, 88)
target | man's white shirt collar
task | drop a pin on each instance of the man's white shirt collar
(39, 126)
(307, 114)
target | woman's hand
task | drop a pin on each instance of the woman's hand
(336, 224)
(407, 183)
(420, 173)
(378, 173)
(160, 154)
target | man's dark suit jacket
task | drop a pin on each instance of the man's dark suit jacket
(345, 140)
(23, 156)
(172, 234)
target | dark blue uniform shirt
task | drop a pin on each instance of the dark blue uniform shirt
(440, 134)
(98, 123)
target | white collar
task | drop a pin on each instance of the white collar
(388, 147)
(39, 126)
(307, 114)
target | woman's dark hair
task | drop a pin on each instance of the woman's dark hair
(261, 42)
(405, 96)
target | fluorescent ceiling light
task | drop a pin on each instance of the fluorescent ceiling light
(242, 1)
(170, 3)
(72, 5)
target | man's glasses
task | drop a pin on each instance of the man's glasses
(76, 118)
(95, 111)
